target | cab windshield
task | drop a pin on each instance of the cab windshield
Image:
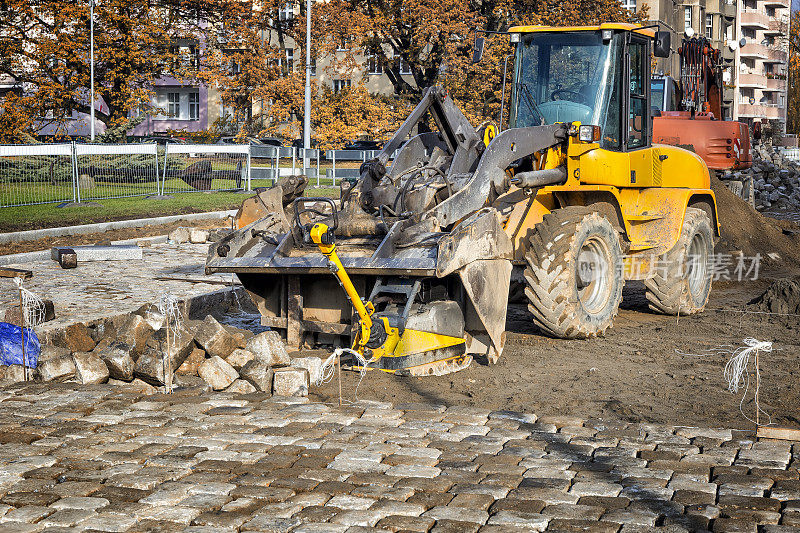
(565, 77)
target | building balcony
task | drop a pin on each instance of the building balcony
(775, 85)
(775, 56)
(766, 111)
(777, 26)
(777, 3)
(755, 81)
(754, 19)
(726, 8)
(752, 49)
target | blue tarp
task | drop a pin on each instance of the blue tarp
(11, 347)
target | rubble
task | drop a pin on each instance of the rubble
(90, 369)
(78, 339)
(773, 179)
(238, 358)
(259, 373)
(290, 382)
(13, 316)
(241, 386)
(150, 365)
(135, 332)
(215, 339)
(57, 368)
(312, 364)
(179, 235)
(217, 373)
(118, 359)
(198, 236)
(192, 363)
(269, 347)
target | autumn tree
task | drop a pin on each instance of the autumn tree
(44, 47)
(793, 90)
(434, 39)
(251, 57)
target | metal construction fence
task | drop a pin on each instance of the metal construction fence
(74, 172)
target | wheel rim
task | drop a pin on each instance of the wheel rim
(697, 264)
(594, 275)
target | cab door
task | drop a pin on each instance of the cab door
(639, 124)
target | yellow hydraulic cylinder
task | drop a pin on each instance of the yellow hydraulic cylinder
(324, 239)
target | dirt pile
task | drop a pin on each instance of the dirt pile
(745, 229)
(782, 296)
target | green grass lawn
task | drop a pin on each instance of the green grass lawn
(49, 215)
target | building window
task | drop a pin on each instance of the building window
(402, 65)
(194, 106)
(374, 65)
(290, 59)
(340, 85)
(286, 12)
(687, 17)
(174, 105)
(630, 5)
(709, 26)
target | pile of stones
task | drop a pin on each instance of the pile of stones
(772, 181)
(133, 351)
(197, 236)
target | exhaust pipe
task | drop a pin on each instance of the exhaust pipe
(540, 178)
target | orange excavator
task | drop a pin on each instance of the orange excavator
(689, 113)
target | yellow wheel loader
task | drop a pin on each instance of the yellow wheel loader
(563, 206)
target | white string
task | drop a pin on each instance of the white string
(33, 308)
(736, 374)
(327, 370)
(169, 306)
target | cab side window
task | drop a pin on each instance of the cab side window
(638, 116)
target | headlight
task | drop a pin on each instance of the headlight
(589, 133)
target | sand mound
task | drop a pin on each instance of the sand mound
(782, 296)
(745, 229)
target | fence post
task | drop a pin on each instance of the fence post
(159, 185)
(249, 167)
(74, 161)
(164, 178)
(333, 175)
(317, 167)
(77, 174)
(294, 158)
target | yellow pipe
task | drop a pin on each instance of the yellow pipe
(320, 232)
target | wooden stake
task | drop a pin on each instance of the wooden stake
(758, 385)
(22, 333)
(339, 364)
(168, 363)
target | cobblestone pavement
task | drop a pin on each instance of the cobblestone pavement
(100, 458)
(101, 289)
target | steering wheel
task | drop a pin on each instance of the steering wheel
(581, 99)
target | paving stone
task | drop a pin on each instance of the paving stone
(27, 513)
(119, 361)
(214, 338)
(268, 347)
(419, 524)
(89, 368)
(66, 517)
(150, 363)
(290, 382)
(457, 513)
(217, 373)
(588, 526)
(528, 521)
(80, 502)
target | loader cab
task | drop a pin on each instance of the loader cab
(663, 95)
(595, 75)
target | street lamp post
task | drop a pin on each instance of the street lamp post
(307, 111)
(91, 67)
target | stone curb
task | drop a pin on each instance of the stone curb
(44, 255)
(31, 235)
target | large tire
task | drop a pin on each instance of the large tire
(682, 281)
(566, 303)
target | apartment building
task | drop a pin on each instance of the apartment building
(715, 19)
(761, 76)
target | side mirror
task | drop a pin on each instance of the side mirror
(661, 46)
(477, 49)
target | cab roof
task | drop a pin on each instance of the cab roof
(624, 26)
